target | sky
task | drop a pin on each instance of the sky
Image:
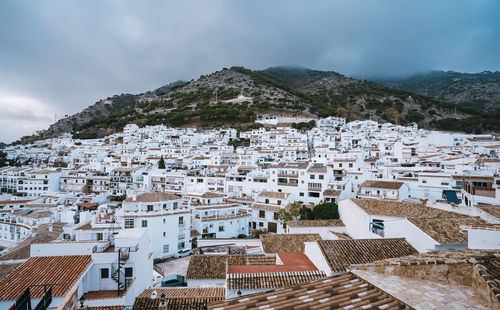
(60, 56)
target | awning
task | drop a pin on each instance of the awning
(451, 197)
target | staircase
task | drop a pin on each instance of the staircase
(118, 270)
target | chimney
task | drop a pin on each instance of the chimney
(134, 196)
(51, 228)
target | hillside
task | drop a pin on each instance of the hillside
(478, 90)
(207, 101)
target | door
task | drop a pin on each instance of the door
(272, 227)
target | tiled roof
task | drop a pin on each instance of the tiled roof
(22, 250)
(401, 209)
(340, 254)
(489, 271)
(316, 223)
(180, 297)
(269, 280)
(317, 169)
(343, 291)
(211, 267)
(440, 257)
(63, 270)
(279, 243)
(266, 206)
(446, 230)
(152, 197)
(331, 193)
(382, 184)
(208, 267)
(492, 210)
(274, 194)
(212, 195)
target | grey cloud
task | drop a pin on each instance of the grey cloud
(69, 54)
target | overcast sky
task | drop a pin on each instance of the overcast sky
(61, 56)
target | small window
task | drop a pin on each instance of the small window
(175, 205)
(104, 273)
(129, 272)
(165, 248)
(321, 177)
(180, 245)
(181, 220)
(150, 208)
(144, 223)
(311, 176)
(301, 194)
(129, 223)
(262, 214)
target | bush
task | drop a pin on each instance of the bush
(325, 211)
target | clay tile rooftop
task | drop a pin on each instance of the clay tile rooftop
(340, 254)
(281, 243)
(63, 270)
(343, 291)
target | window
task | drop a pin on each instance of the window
(99, 236)
(301, 194)
(350, 165)
(164, 234)
(144, 223)
(165, 248)
(129, 272)
(262, 214)
(445, 183)
(129, 223)
(164, 206)
(424, 181)
(221, 228)
(181, 220)
(180, 245)
(321, 177)
(311, 176)
(175, 205)
(150, 208)
(104, 273)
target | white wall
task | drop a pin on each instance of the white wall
(315, 255)
(484, 239)
(405, 229)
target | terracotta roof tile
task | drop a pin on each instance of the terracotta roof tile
(446, 230)
(343, 291)
(340, 254)
(180, 297)
(382, 184)
(152, 197)
(280, 243)
(270, 280)
(63, 270)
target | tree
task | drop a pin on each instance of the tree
(3, 159)
(161, 163)
(256, 233)
(325, 211)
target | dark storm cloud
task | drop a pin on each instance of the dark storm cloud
(61, 56)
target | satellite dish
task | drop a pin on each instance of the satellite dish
(154, 294)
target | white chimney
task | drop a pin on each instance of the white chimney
(134, 196)
(50, 228)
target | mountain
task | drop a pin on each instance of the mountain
(477, 90)
(207, 101)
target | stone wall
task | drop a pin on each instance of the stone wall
(460, 273)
